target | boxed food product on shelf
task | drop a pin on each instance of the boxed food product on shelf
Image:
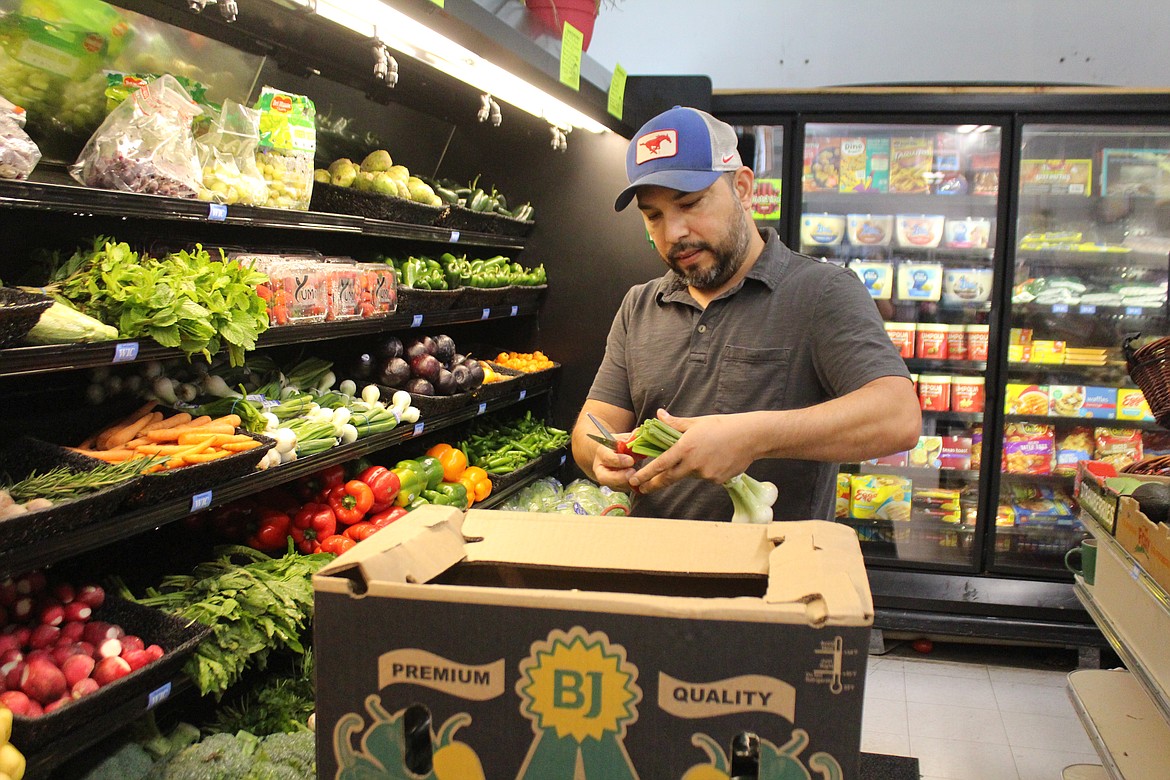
(936, 504)
(342, 280)
(843, 490)
(963, 286)
(1028, 448)
(985, 174)
(954, 453)
(1047, 351)
(1026, 399)
(902, 336)
(956, 342)
(379, 288)
(911, 162)
(603, 646)
(934, 392)
(925, 454)
(931, 341)
(1132, 405)
(969, 233)
(296, 289)
(822, 165)
(1140, 172)
(977, 341)
(919, 281)
(967, 394)
(1056, 177)
(869, 229)
(864, 165)
(1075, 445)
(1118, 447)
(881, 496)
(918, 231)
(1066, 400)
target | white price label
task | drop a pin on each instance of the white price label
(523, 395)
(483, 315)
(515, 311)
(454, 236)
(418, 428)
(158, 696)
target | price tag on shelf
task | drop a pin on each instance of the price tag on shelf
(1136, 573)
(217, 212)
(515, 311)
(571, 48)
(418, 428)
(416, 321)
(125, 352)
(1088, 308)
(1060, 308)
(523, 395)
(1133, 311)
(158, 696)
(563, 459)
(482, 408)
(485, 314)
(200, 501)
(454, 236)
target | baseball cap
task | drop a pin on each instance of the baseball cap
(684, 149)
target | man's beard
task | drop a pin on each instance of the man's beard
(728, 253)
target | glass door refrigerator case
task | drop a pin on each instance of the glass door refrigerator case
(912, 209)
(1092, 249)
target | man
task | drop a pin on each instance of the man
(764, 358)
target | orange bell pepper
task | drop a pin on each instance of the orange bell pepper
(477, 482)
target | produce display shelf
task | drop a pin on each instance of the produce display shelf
(41, 765)
(1045, 419)
(52, 548)
(1122, 723)
(81, 201)
(34, 360)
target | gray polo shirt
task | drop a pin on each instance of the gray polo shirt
(794, 333)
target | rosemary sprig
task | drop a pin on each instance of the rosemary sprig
(60, 483)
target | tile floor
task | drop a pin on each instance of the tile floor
(975, 713)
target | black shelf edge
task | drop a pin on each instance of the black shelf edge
(1068, 259)
(1061, 480)
(964, 417)
(1088, 422)
(33, 360)
(911, 471)
(1090, 310)
(896, 202)
(81, 201)
(879, 253)
(51, 549)
(918, 365)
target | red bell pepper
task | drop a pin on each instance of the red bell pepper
(351, 501)
(383, 482)
(271, 531)
(361, 531)
(336, 544)
(384, 518)
(310, 525)
(315, 486)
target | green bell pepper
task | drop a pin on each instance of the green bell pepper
(448, 494)
(412, 479)
(433, 470)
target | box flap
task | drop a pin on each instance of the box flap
(818, 563)
(618, 543)
(416, 548)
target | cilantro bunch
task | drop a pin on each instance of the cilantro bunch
(186, 300)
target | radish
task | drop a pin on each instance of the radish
(9, 657)
(64, 592)
(136, 658)
(34, 711)
(98, 631)
(12, 672)
(77, 611)
(110, 669)
(85, 648)
(63, 651)
(8, 642)
(52, 613)
(22, 608)
(22, 633)
(132, 642)
(53, 706)
(83, 687)
(30, 583)
(109, 648)
(40, 653)
(93, 595)
(43, 636)
(8, 594)
(77, 667)
(17, 702)
(42, 681)
(73, 629)
(155, 652)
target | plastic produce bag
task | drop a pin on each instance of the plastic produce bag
(288, 140)
(580, 497)
(227, 155)
(18, 154)
(145, 144)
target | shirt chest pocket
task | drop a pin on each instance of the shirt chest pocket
(752, 379)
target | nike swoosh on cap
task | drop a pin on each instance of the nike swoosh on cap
(727, 157)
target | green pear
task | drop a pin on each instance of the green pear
(337, 164)
(419, 190)
(403, 190)
(345, 175)
(399, 172)
(378, 160)
(364, 181)
(384, 184)
(321, 176)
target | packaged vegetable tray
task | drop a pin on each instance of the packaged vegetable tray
(19, 312)
(139, 689)
(24, 456)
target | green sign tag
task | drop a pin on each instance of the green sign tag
(571, 42)
(617, 91)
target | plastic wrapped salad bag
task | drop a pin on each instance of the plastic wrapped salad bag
(145, 144)
(18, 153)
(580, 497)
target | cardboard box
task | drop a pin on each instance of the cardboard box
(910, 164)
(562, 646)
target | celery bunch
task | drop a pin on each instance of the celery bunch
(751, 498)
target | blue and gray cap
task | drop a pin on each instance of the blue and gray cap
(683, 149)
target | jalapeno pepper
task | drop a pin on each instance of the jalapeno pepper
(448, 494)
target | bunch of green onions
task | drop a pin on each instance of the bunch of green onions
(751, 498)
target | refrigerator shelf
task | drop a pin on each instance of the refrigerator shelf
(920, 365)
(1045, 419)
(918, 473)
(898, 203)
(843, 253)
(1089, 310)
(1074, 259)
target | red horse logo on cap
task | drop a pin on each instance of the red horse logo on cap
(650, 146)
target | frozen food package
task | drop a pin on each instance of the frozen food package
(1118, 446)
(1075, 445)
(822, 164)
(145, 144)
(1028, 448)
(18, 153)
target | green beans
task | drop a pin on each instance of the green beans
(500, 448)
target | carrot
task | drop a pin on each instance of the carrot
(173, 434)
(146, 408)
(204, 457)
(240, 446)
(135, 443)
(182, 418)
(122, 435)
(228, 419)
(164, 449)
(111, 456)
(217, 439)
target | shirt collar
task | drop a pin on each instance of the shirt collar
(767, 270)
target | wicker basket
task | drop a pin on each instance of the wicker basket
(372, 205)
(189, 480)
(1158, 465)
(412, 301)
(1149, 367)
(19, 312)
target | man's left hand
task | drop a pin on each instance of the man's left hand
(712, 447)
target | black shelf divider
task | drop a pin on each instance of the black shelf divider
(34, 360)
(53, 548)
(1088, 422)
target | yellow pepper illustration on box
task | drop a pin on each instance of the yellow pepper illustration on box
(776, 763)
